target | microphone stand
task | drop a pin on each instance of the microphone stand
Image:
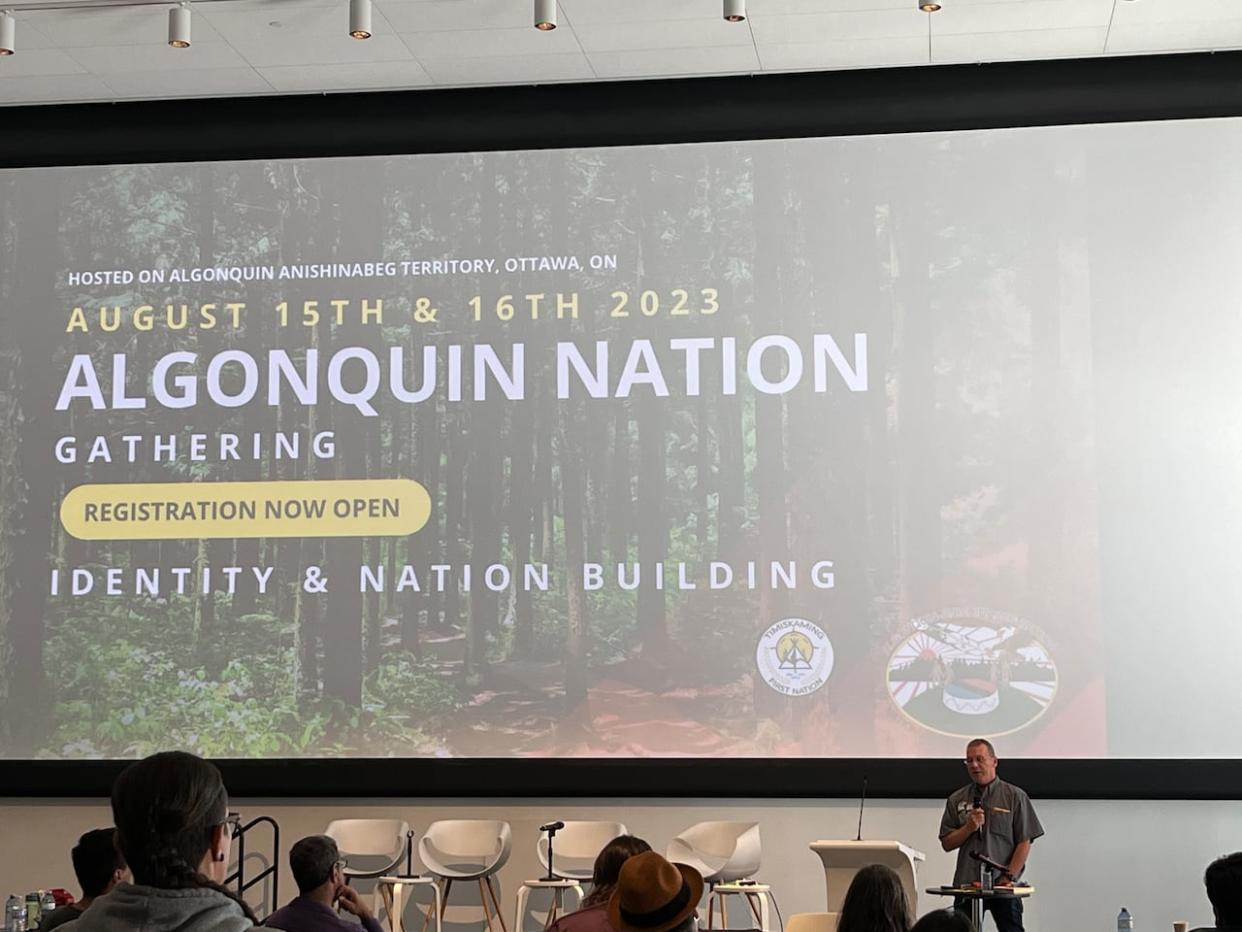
(409, 853)
(551, 834)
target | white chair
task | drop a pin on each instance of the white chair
(573, 853)
(812, 922)
(727, 855)
(379, 843)
(374, 848)
(467, 849)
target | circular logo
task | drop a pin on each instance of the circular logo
(794, 657)
(972, 671)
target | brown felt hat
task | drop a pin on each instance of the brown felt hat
(653, 895)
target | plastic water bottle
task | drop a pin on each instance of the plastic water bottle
(47, 903)
(14, 914)
(1125, 922)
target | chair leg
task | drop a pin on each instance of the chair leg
(441, 903)
(752, 900)
(487, 883)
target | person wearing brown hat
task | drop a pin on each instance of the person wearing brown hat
(654, 895)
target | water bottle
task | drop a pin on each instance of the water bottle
(32, 910)
(14, 914)
(1125, 922)
(47, 903)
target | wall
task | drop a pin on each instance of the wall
(1096, 857)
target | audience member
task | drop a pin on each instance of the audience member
(318, 871)
(653, 895)
(1223, 879)
(592, 915)
(944, 920)
(875, 902)
(99, 867)
(171, 813)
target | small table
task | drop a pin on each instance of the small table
(390, 889)
(755, 893)
(977, 896)
(559, 887)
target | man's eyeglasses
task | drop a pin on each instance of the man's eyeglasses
(233, 821)
(341, 864)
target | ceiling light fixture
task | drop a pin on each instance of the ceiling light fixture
(545, 15)
(360, 19)
(8, 33)
(179, 26)
(735, 11)
(929, 6)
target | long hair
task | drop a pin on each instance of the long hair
(608, 867)
(875, 902)
(166, 808)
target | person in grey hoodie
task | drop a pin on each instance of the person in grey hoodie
(171, 815)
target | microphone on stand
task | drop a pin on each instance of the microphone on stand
(551, 828)
(861, 803)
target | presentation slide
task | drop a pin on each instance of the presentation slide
(837, 447)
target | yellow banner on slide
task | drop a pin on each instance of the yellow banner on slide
(193, 510)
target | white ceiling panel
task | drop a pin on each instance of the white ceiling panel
(836, 27)
(480, 43)
(670, 34)
(1015, 46)
(158, 57)
(1175, 11)
(510, 69)
(386, 75)
(271, 36)
(581, 12)
(433, 15)
(38, 62)
(1170, 37)
(117, 26)
(53, 89)
(730, 59)
(1017, 17)
(208, 83)
(861, 53)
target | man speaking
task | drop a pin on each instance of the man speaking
(990, 817)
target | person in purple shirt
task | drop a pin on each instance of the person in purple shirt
(318, 871)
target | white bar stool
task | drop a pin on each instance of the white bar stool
(391, 889)
(758, 897)
(556, 910)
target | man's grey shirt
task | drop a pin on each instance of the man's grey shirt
(1009, 818)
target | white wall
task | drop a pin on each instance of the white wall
(1096, 857)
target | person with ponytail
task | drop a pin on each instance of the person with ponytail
(171, 815)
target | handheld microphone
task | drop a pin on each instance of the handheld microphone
(552, 827)
(861, 803)
(978, 804)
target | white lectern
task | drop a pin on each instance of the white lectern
(842, 859)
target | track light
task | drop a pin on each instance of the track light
(735, 11)
(929, 6)
(360, 19)
(545, 15)
(8, 33)
(179, 26)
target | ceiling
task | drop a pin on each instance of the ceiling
(252, 47)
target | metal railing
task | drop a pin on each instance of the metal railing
(273, 863)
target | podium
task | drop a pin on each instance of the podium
(842, 859)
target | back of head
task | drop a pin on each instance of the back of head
(875, 902)
(944, 920)
(311, 860)
(608, 866)
(167, 808)
(1223, 879)
(95, 861)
